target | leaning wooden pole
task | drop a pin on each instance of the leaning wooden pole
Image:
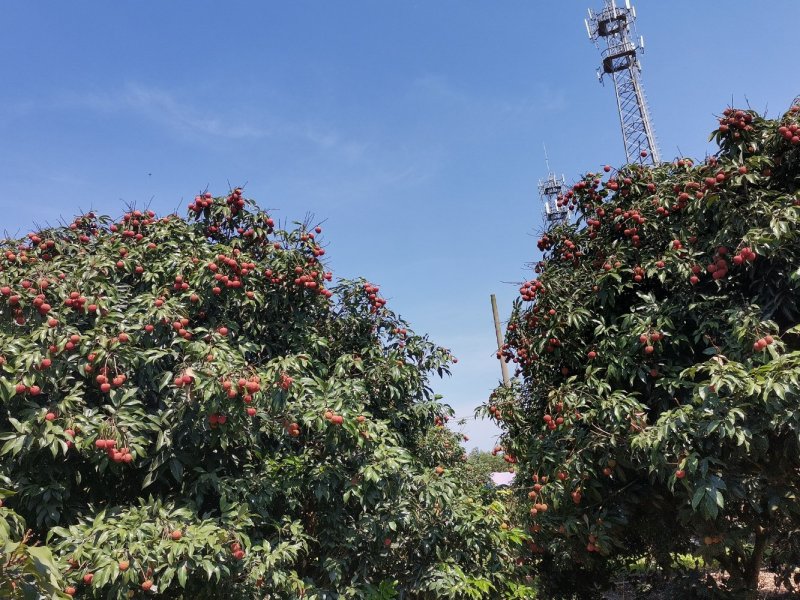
(498, 333)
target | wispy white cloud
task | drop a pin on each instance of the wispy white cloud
(329, 139)
(345, 163)
(544, 97)
(188, 116)
(163, 108)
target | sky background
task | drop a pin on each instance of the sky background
(414, 128)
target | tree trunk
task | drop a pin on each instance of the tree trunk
(753, 567)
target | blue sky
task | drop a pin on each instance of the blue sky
(415, 128)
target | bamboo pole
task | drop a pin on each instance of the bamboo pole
(498, 333)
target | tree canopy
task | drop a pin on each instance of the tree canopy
(658, 349)
(194, 407)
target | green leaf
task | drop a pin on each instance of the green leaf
(182, 573)
(7, 389)
(697, 497)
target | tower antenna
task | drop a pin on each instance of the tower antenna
(616, 27)
(546, 159)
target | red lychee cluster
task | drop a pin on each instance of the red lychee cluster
(133, 224)
(293, 429)
(762, 343)
(285, 381)
(234, 278)
(790, 132)
(201, 202)
(246, 387)
(86, 225)
(123, 455)
(215, 419)
(107, 384)
(648, 340)
(236, 551)
(375, 301)
(744, 255)
(185, 379)
(719, 267)
(529, 289)
(735, 119)
(333, 418)
(235, 201)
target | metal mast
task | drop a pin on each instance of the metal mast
(551, 192)
(616, 27)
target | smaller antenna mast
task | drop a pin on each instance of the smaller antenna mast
(551, 193)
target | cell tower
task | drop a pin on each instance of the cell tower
(551, 192)
(616, 27)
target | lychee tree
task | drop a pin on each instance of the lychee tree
(191, 407)
(658, 352)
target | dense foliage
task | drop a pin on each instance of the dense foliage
(659, 352)
(481, 464)
(192, 408)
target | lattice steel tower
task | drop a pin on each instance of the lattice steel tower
(616, 26)
(551, 192)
